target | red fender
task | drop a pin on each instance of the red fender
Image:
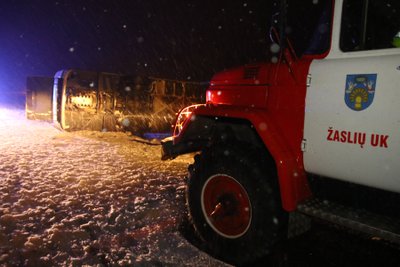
(292, 178)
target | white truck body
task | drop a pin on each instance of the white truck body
(352, 121)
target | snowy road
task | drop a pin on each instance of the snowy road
(88, 198)
(101, 199)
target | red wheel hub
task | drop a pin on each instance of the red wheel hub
(226, 206)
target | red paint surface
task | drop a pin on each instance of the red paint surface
(272, 98)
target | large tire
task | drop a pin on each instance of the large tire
(234, 204)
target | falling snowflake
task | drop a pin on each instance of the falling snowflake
(274, 48)
(126, 122)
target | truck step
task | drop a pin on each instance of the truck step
(373, 224)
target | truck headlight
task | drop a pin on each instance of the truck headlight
(183, 116)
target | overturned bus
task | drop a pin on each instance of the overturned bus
(99, 101)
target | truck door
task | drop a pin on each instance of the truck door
(352, 121)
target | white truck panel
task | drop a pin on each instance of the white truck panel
(359, 144)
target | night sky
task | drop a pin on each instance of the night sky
(180, 39)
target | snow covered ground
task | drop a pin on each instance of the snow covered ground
(88, 198)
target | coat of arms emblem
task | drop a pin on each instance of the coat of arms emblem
(360, 91)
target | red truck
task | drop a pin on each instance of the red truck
(314, 132)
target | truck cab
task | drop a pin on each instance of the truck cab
(312, 132)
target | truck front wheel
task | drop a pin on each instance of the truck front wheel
(234, 203)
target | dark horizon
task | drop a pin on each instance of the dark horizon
(189, 40)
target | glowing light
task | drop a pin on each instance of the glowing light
(183, 116)
(10, 115)
(3, 114)
(209, 96)
(82, 101)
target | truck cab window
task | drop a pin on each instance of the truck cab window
(369, 25)
(312, 35)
